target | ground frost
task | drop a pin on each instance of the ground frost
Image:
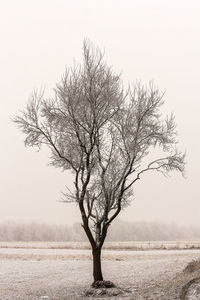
(68, 279)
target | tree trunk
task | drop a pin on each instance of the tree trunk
(97, 274)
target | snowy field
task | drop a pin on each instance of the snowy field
(61, 274)
(142, 245)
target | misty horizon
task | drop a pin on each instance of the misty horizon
(122, 231)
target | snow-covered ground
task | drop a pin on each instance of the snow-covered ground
(110, 253)
(61, 274)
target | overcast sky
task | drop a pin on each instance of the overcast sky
(143, 39)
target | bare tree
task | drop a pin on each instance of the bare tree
(103, 134)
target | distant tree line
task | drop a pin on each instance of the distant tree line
(122, 231)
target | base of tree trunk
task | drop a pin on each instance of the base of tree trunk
(104, 289)
(103, 284)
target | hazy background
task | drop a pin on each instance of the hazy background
(143, 39)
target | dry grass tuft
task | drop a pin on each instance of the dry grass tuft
(193, 266)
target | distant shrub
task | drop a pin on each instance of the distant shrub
(122, 231)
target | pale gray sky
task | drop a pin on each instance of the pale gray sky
(143, 39)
